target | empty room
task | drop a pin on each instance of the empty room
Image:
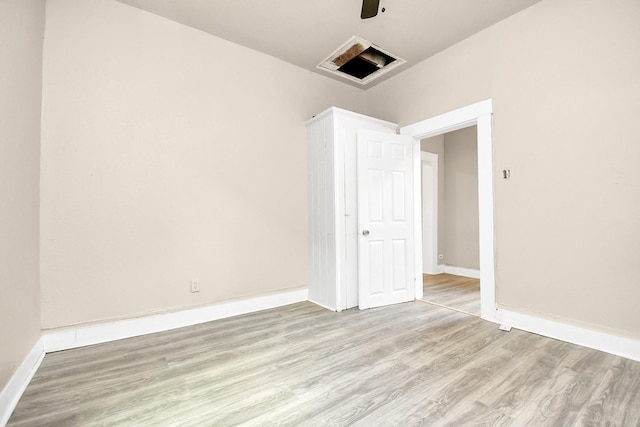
(223, 212)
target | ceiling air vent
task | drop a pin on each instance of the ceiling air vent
(360, 61)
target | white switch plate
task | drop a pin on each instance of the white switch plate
(195, 285)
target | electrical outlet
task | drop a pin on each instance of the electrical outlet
(440, 256)
(195, 285)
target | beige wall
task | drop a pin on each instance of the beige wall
(458, 225)
(21, 31)
(462, 247)
(168, 154)
(563, 76)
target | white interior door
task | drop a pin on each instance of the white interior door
(386, 241)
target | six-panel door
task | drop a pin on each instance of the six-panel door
(385, 219)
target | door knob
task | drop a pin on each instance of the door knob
(365, 232)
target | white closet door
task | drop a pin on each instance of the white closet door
(386, 241)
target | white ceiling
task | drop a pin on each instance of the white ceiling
(304, 32)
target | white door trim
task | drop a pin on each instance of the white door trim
(431, 159)
(479, 114)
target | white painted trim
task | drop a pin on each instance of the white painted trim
(325, 306)
(110, 331)
(460, 271)
(613, 344)
(350, 114)
(479, 114)
(417, 220)
(486, 218)
(432, 160)
(339, 226)
(19, 381)
(449, 122)
(440, 268)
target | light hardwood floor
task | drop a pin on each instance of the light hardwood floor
(301, 365)
(457, 292)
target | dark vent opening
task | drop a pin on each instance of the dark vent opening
(367, 63)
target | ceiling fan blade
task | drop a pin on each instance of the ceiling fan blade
(369, 8)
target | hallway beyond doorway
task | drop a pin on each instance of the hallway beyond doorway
(455, 292)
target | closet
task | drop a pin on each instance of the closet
(332, 205)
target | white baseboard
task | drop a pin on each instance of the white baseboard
(11, 393)
(613, 344)
(322, 305)
(460, 271)
(81, 336)
(438, 270)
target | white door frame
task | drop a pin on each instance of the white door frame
(479, 114)
(431, 159)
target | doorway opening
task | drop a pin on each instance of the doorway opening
(480, 115)
(450, 222)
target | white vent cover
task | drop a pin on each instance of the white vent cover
(360, 61)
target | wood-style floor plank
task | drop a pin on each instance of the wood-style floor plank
(456, 292)
(407, 364)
